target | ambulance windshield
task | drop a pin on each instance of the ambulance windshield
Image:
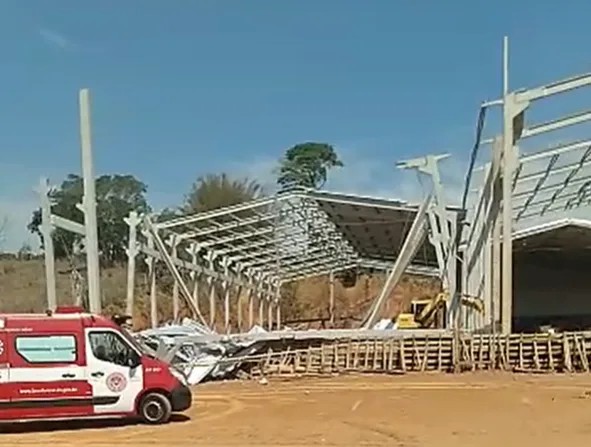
(134, 342)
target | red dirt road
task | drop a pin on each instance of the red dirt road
(415, 410)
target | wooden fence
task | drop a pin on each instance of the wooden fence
(534, 353)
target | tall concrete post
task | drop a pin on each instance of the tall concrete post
(132, 250)
(173, 242)
(89, 204)
(48, 250)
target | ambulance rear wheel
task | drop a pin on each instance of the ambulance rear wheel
(155, 408)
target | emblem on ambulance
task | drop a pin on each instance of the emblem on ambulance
(116, 382)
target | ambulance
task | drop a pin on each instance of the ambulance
(68, 364)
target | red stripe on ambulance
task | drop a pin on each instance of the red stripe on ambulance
(76, 365)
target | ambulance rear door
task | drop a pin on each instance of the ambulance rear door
(4, 373)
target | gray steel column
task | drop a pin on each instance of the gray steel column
(132, 250)
(507, 210)
(89, 204)
(173, 242)
(48, 250)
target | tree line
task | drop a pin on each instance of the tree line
(303, 165)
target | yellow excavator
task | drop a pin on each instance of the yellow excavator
(430, 312)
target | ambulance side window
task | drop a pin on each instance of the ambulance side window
(109, 347)
(47, 348)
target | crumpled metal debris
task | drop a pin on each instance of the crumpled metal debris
(201, 355)
(385, 324)
(189, 347)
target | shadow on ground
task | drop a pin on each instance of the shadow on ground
(72, 425)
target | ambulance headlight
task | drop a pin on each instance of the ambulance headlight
(178, 375)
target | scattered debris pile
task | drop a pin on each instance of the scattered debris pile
(198, 353)
(202, 355)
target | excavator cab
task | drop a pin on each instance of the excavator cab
(431, 312)
(406, 320)
(424, 313)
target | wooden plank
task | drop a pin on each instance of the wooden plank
(521, 362)
(348, 356)
(439, 355)
(402, 355)
(536, 356)
(425, 356)
(536, 353)
(584, 356)
(550, 355)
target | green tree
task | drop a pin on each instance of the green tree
(307, 165)
(116, 196)
(219, 190)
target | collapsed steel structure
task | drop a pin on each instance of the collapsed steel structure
(244, 253)
(518, 193)
(251, 249)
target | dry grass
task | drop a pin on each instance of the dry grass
(22, 285)
(22, 289)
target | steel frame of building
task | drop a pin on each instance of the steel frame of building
(254, 248)
(517, 189)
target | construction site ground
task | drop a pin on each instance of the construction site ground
(475, 409)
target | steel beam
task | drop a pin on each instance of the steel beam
(411, 244)
(173, 269)
(68, 225)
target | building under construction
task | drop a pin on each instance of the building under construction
(510, 257)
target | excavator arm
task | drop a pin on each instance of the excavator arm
(426, 317)
(424, 312)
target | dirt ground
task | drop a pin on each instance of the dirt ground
(414, 410)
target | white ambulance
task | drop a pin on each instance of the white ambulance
(69, 364)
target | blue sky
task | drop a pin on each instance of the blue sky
(193, 86)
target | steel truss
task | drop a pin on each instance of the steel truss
(248, 251)
(518, 191)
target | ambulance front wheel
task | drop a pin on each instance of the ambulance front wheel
(155, 408)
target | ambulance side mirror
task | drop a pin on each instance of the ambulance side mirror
(134, 360)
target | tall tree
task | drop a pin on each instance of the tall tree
(219, 190)
(116, 196)
(307, 165)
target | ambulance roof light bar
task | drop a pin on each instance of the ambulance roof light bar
(69, 310)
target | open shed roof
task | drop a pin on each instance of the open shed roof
(562, 235)
(304, 233)
(547, 182)
(553, 180)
